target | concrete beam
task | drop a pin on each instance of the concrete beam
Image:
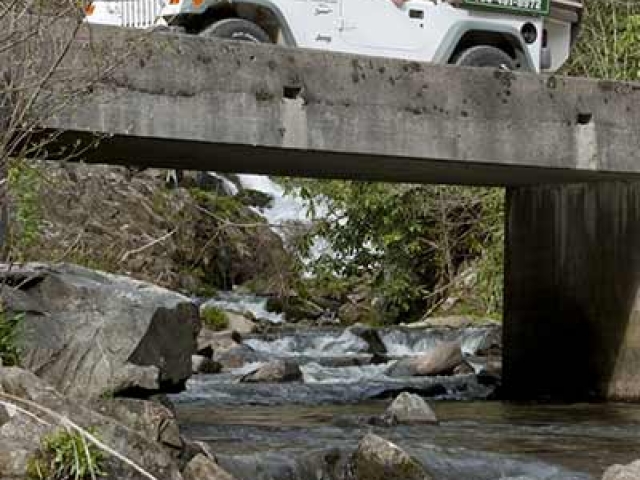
(186, 102)
(572, 292)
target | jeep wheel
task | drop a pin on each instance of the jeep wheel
(484, 56)
(237, 29)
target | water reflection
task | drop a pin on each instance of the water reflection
(475, 438)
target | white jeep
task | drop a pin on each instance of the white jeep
(532, 35)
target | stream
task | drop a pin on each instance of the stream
(294, 431)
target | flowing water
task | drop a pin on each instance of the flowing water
(474, 440)
(295, 431)
(245, 304)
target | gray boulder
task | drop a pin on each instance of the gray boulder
(202, 467)
(22, 434)
(150, 419)
(464, 369)
(239, 356)
(410, 408)
(240, 323)
(278, 371)
(90, 333)
(442, 360)
(379, 459)
(210, 342)
(623, 472)
(372, 337)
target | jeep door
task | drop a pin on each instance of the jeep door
(314, 22)
(378, 25)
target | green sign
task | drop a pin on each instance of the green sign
(531, 7)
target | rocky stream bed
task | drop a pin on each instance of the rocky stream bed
(272, 401)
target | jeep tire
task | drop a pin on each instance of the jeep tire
(237, 29)
(484, 56)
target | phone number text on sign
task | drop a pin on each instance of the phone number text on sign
(529, 5)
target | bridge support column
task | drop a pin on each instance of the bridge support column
(572, 292)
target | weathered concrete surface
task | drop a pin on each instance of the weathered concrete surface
(572, 292)
(187, 102)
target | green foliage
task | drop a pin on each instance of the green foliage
(9, 352)
(24, 188)
(214, 318)
(64, 455)
(408, 242)
(222, 206)
(609, 44)
(255, 198)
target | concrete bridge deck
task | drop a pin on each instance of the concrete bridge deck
(185, 102)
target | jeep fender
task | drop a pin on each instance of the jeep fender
(455, 34)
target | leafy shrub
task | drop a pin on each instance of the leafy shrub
(609, 45)
(25, 187)
(214, 318)
(9, 352)
(408, 243)
(65, 455)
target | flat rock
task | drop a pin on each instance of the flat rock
(210, 342)
(278, 371)
(240, 323)
(441, 360)
(452, 321)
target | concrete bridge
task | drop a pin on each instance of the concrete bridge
(567, 149)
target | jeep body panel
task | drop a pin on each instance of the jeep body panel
(420, 30)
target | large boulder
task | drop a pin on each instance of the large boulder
(42, 410)
(623, 472)
(202, 467)
(379, 459)
(442, 360)
(277, 371)
(90, 333)
(410, 408)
